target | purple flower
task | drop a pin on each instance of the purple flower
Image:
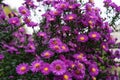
(55, 41)
(47, 54)
(104, 46)
(65, 28)
(29, 22)
(24, 11)
(93, 70)
(78, 74)
(36, 66)
(42, 34)
(1, 57)
(61, 6)
(45, 69)
(67, 76)
(58, 67)
(82, 38)
(64, 48)
(30, 48)
(80, 56)
(79, 65)
(94, 35)
(55, 13)
(14, 21)
(22, 68)
(71, 17)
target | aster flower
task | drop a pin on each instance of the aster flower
(24, 11)
(82, 38)
(61, 5)
(55, 12)
(30, 48)
(67, 76)
(22, 68)
(58, 67)
(104, 46)
(94, 35)
(55, 41)
(78, 74)
(45, 69)
(93, 70)
(71, 17)
(36, 66)
(47, 54)
(79, 65)
(29, 22)
(42, 34)
(64, 48)
(56, 48)
(14, 21)
(65, 28)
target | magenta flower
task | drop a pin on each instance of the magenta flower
(42, 34)
(24, 11)
(93, 70)
(65, 28)
(47, 54)
(64, 48)
(78, 74)
(94, 35)
(14, 21)
(22, 68)
(62, 6)
(58, 67)
(82, 38)
(104, 46)
(67, 76)
(45, 69)
(30, 48)
(80, 56)
(55, 41)
(71, 17)
(36, 66)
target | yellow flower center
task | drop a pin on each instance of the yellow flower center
(90, 22)
(47, 54)
(93, 70)
(63, 47)
(80, 56)
(37, 65)
(104, 46)
(70, 7)
(66, 77)
(56, 47)
(94, 35)
(55, 12)
(82, 38)
(70, 17)
(23, 68)
(58, 67)
(62, 5)
(73, 65)
(46, 69)
(24, 11)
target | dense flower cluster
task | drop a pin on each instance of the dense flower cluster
(73, 42)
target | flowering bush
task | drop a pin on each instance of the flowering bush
(73, 43)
